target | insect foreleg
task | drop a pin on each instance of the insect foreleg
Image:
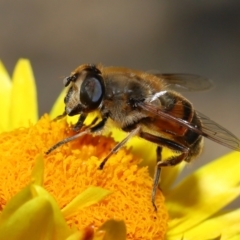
(88, 130)
(79, 123)
(60, 116)
(133, 133)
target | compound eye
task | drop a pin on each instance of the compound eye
(92, 91)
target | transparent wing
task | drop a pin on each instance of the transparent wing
(185, 82)
(217, 133)
(210, 129)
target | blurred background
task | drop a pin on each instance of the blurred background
(200, 37)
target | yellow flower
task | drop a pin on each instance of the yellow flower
(72, 168)
(73, 199)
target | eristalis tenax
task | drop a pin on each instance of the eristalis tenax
(144, 105)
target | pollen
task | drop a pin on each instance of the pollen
(73, 167)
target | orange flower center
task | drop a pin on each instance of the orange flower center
(73, 167)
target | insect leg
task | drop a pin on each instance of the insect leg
(133, 133)
(66, 140)
(156, 177)
(164, 142)
(60, 116)
(168, 162)
(172, 161)
(97, 127)
(80, 122)
(93, 121)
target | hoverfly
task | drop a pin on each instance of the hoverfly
(145, 105)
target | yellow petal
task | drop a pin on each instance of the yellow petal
(114, 230)
(24, 97)
(5, 90)
(19, 199)
(218, 237)
(29, 193)
(38, 170)
(58, 106)
(169, 176)
(59, 221)
(204, 193)
(90, 196)
(236, 237)
(227, 225)
(32, 220)
(76, 236)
